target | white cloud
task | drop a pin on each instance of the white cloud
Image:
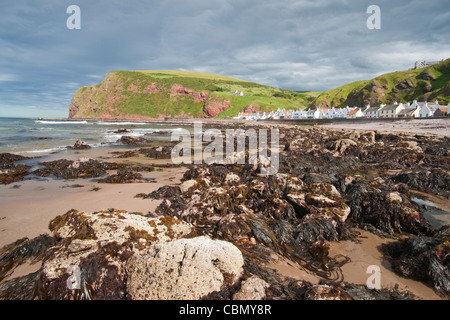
(8, 77)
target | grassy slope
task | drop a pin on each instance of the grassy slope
(263, 98)
(338, 96)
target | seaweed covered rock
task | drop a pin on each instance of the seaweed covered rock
(21, 251)
(89, 260)
(81, 145)
(125, 175)
(11, 172)
(160, 152)
(183, 269)
(387, 210)
(436, 180)
(238, 206)
(131, 140)
(423, 258)
(73, 169)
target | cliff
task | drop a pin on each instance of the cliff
(159, 94)
(426, 84)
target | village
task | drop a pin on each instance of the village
(396, 110)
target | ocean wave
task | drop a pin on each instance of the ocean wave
(60, 122)
(45, 150)
(119, 123)
(113, 137)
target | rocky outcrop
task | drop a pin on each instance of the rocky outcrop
(184, 269)
(10, 171)
(214, 106)
(80, 145)
(131, 140)
(93, 248)
(253, 288)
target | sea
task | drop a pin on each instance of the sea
(26, 136)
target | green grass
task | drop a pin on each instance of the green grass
(187, 74)
(338, 96)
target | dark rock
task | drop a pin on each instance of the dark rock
(8, 158)
(161, 152)
(423, 258)
(21, 251)
(130, 140)
(122, 130)
(427, 75)
(81, 145)
(125, 175)
(83, 168)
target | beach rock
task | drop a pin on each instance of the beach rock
(19, 288)
(93, 249)
(130, 140)
(423, 258)
(80, 145)
(8, 158)
(253, 288)
(125, 175)
(194, 185)
(184, 269)
(341, 145)
(161, 152)
(435, 180)
(11, 172)
(122, 130)
(73, 169)
(22, 251)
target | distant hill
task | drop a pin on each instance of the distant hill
(426, 84)
(157, 94)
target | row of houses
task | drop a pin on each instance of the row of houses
(396, 110)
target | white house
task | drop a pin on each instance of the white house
(428, 109)
(391, 111)
(313, 114)
(339, 113)
(353, 114)
(409, 112)
(373, 112)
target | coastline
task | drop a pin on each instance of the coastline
(29, 206)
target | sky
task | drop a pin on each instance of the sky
(311, 45)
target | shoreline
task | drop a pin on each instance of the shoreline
(434, 125)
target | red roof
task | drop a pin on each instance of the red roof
(353, 111)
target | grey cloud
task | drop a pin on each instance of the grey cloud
(293, 44)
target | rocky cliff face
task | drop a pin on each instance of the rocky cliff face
(127, 96)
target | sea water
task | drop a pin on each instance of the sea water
(36, 136)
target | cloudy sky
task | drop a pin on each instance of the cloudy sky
(297, 45)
